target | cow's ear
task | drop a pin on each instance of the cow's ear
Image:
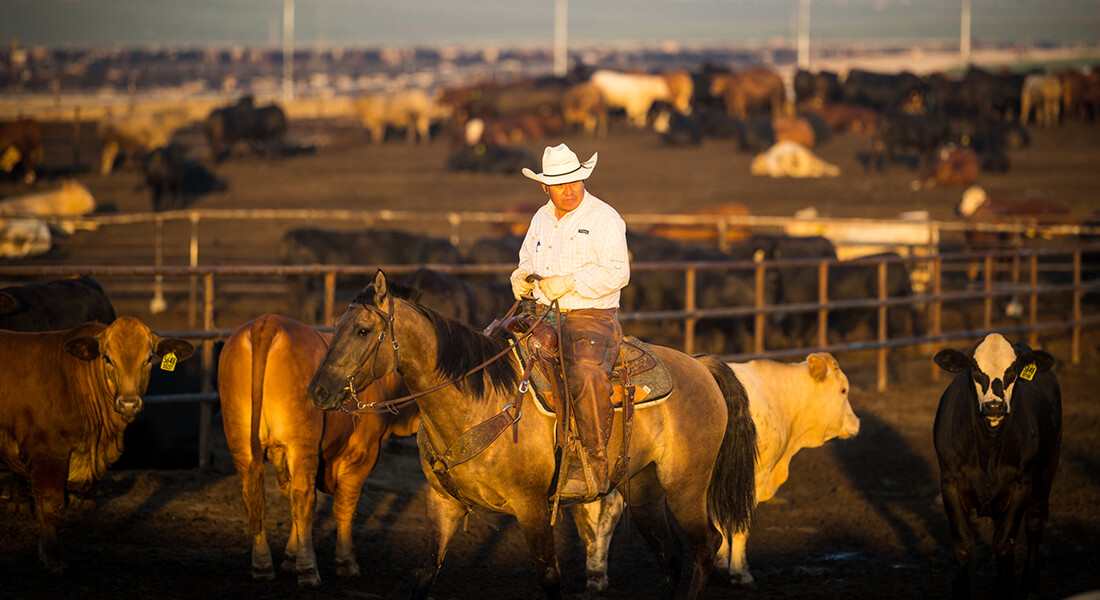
(181, 348)
(952, 360)
(380, 287)
(819, 368)
(84, 348)
(8, 303)
(1042, 360)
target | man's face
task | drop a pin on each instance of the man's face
(565, 196)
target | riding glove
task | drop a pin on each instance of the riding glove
(520, 285)
(557, 286)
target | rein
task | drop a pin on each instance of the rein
(395, 404)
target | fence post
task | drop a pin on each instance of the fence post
(1033, 297)
(1075, 345)
(157, 304)
(882, 324)
(689, 305)
(822, 300)
(937, 311)
(987, 320)
(330, 295)
(193, 287)
(206, 411)
(758, 317)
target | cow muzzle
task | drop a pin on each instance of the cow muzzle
(128, 405)
(994, 409)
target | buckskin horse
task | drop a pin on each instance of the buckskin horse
(694, 451)
(262, 376)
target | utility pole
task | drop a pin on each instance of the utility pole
(561, 22)
(804, 34)
(964, 34)
(288, 50)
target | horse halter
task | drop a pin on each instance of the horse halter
(372, 352)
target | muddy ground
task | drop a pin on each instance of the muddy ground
(858, 518)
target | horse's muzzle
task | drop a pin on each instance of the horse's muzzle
(323, 398)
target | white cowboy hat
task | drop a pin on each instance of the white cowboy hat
(560, 165)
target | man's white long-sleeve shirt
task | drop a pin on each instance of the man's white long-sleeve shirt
(588, 242)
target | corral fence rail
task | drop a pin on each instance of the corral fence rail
(1048, 272)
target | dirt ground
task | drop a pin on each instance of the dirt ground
(858, 518)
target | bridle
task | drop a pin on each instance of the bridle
(394, 405)
(372, 354)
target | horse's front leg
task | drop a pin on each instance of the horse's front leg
(595, 523)
(534, 521)
(444, 513)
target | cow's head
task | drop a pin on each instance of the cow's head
(126, 351)
(831, 406)
(994, 367)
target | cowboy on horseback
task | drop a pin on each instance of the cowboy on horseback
(576, 252)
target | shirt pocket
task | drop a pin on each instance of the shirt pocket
(578, 252)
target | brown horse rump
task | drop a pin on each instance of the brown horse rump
(636, 366)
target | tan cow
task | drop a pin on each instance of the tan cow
(137, 133)
(66, 398)
(634, 93)
(582, 105)
(71, 200)
(791, 159)
(1043, 94)
(794, 406)
(412, 110)
(263, 371)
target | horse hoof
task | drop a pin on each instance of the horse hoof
(263, 573)
(741, 579)
(597, 584)
(348, 568)
(309, 579)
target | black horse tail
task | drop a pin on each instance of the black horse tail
(731, 498)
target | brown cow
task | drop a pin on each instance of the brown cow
(840, 116)
(749, 90)
(707, 233)
(263, 372)
(66, 398)
(21, 145)
(955, 167)
(793, 129)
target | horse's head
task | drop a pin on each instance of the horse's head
(362, 350)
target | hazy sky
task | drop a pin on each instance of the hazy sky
(507, 22)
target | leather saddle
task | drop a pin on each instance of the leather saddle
(636, 366)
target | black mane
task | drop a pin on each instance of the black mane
(460, 348)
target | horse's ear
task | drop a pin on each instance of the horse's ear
(380, 286)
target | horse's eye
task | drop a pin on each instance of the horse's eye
(364, 331)
(107, 359)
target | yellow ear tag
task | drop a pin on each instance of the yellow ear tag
(168, 363)
(1028, 372)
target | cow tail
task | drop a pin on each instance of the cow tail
(731, 498)
(262, 335)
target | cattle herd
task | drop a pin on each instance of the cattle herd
(76, 374)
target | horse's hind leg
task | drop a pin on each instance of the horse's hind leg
(689, 506)
(444, 513)
(302, 491)
(647, 509)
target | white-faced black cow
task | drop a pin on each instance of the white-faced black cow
(998, 432)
